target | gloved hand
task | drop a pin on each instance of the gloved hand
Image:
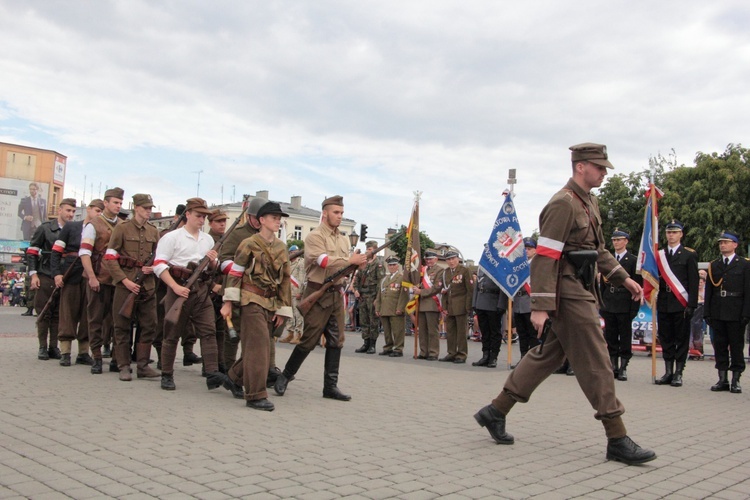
(689, 311)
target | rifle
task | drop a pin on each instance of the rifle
(126, 309)
(173, 315)
(306, 304)
(296, 253)
(46, 310)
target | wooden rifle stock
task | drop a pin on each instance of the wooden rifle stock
(126, 309)
(55, 292)
(173, 315)
(306, 304)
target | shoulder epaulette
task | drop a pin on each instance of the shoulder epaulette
(690, 249)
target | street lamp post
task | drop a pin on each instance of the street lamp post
(353, 239)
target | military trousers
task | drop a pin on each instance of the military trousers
(326, 320)
(618, 332)
(73, 318)
(393, 331)
(99, 309)
(455, 334)
(729, 345)
(251, 369)
(144, 309)
(577, 335)
(368, 320)
(47, 326)
(198, 311)
(429, 334)
(674, 335)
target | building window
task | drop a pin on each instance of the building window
(297, 235)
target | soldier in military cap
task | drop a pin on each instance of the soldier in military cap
(676, 303)
(727, 310)
(390, 304)
(258, 283)
(326, 252)
(131, 247)
(429, 308)
(618, 309)
(42, 279)
(564, 292)
(457, 288)
(94, 241)
(73, 319)
(217, 224)
(366, 289)
(177, 254)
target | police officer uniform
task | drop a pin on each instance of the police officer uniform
(675, 305)
(367, 283)
(527, 337)
(489, 304)
(618, 310)
(727, 310)
(131, 247)
(390, 303)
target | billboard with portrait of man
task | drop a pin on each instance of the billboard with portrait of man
(23, 207)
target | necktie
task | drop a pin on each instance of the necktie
(670, 252)
(618, 258)
(726, 261)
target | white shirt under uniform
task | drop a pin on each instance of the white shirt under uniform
(179, 248)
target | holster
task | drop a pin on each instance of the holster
(584, 262)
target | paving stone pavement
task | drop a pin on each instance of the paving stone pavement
(407, 433)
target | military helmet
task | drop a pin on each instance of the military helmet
(254, 206)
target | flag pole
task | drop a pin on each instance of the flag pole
(511, 184)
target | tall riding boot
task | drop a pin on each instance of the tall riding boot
(622, 373)
(722, 384)
(615, 368)
(293, 364)
(735, 388)
(364, 347)
(143, 351)
(677, 377)
(485, 359)
(371, 347)
(666, 379)
(331, 375)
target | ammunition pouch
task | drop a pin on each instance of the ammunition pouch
(584, 262)
(128, 262)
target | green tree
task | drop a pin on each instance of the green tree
(399, 246)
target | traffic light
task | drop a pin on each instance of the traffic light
(363, 232)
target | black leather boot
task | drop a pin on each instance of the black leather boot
(622, 373)
(167, 382)
(615, 368)
(626, 451)
(677, 377)
(214, 380)
(364, 347)
(371, 347)
(235, 389)
(190, 358)
(666, 379)
(273, 374)
(485, 359)
(331, 375)
(296, 359)
(735, 388)
(43, 354)
(96, 368)
(722, 384)
(492, 362)
(493, 420)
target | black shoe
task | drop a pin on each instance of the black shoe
(421, 356)
(54, 353)
(106, 351)
(190, 358)
(364, 347)
(396, 354)
(279, 387)
(459, 361)
(96, 368)
(273, 374)
(335, 393)
(482, 362)
(432, 358)
(735, 388)
(492, 363)
(214, 380)
(65, 360)
(167, 382)
(113, 368)
(235, 389)
(43, 354)
(676, 380)
(447, 359)
(385, 353)
(260, 404)
(84, 359)
(626, 451)
(569, 372)
(494, 421)
(371, 348)
(28, 312)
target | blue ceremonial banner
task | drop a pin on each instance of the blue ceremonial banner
(647, 265)
(504, 257)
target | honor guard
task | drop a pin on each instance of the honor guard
(430, 308)
(457, 289)
(390, 304)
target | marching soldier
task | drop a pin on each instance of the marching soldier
(296, 324)
(727, 310)
(42, 280)
(94, 242)
(366, 289)
(618, 309)
(326, 252)
(217, 223)
(457, 289)
(131, 247)
(259, 283)
(390, 304)
(73, 318)
(676, 303)
(569, 250)
(175, 252)
(429, 308)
